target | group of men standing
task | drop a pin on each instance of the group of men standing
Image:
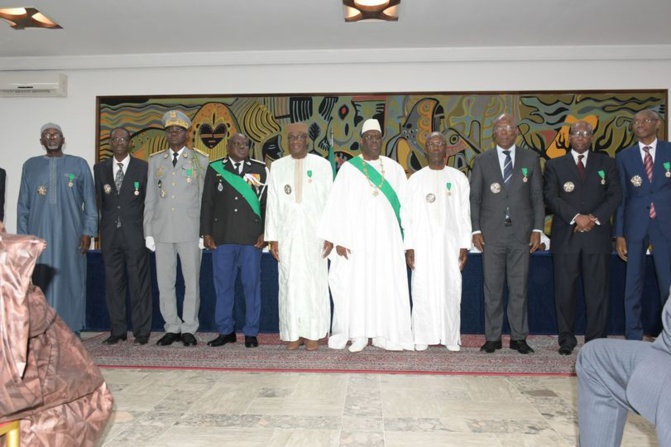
(371, 222)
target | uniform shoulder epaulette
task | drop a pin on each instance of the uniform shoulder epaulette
(258, 162)
(222, 159)
(159, 152)
(201, 152)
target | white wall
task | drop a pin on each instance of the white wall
(21, 118)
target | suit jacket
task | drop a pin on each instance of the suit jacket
(3, 178)
(172, 205)
(126, 204)
(648, 389)
(565, 196)
(225, 214)
(524, 199)
(633, 214)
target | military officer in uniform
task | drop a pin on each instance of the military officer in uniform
(171, 220)
(232, 224)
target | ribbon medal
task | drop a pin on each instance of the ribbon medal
(71, 180)
(136, 185)
(525, 171)
(309, 176)
(160, 188)
(667, 166)
(602, 174)
(189, 173)
(449, 188)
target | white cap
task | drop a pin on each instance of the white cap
(370, 124)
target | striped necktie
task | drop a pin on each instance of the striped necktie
(647, 162)
(507, 169)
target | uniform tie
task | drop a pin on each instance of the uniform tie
(647, 161)
(118, 180)
(581, 168)
(175, 155)
(507, 169)
(237, 167)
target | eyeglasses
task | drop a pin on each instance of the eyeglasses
(301, 137)
(436, 144)
(372, 137)
(51, 136)
(119, 139)
(584, 134)
(499, 129)
(643, 121)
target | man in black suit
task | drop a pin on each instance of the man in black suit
(231, 223)
(3, 178)
(507, 214)
(120, 183)
(582, 190)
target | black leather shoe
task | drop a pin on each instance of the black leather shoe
(189, 339)
(141, 340)
(222, 339)
(168, 339)
(491, 346)
(521, 346)
(251, 342)
(566, 350)
(114, 339)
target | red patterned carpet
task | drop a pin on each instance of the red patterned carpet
(272, 355)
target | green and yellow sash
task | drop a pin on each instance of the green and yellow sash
(375, 178)
(240, 186)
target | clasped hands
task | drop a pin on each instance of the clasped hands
(584, 223)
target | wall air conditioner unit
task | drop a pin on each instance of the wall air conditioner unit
(33, 85)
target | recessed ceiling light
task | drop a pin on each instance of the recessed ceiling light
(371, 10)
(22, 18)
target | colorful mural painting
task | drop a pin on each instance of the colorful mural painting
(466, 120)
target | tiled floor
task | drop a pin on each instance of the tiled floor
(214, 408)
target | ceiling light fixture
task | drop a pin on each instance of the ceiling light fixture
(22, 18)
(371, 10)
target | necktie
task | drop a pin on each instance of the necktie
(237, 167)
(507, 169)
(118, 180)
(581, 168)
(507, 176)
(175, 155)
(647, 161)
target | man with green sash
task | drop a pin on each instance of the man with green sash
(368, 276)
(231, 222)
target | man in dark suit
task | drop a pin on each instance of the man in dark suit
(3, 178)
(120, 183)
(644, 216)
(582, 190)
(231, 222)
(507, 214)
